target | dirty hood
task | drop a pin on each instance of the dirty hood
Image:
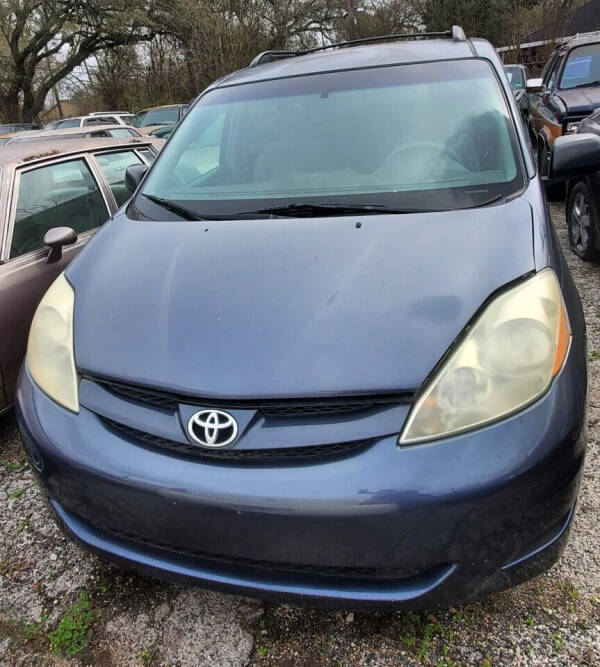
(289, 307)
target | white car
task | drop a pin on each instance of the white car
(97, 118)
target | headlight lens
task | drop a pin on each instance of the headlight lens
(507, 360)
(571, 128)
(50, 357)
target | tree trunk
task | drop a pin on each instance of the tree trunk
(351, 21)
(9, 103)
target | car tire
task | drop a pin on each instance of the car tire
(582, 219)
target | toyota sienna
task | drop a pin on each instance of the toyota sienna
(330, 350)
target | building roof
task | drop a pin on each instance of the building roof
(583, 19)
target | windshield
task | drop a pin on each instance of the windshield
(434, 135)
(582, 68)
(515, 77)
(166, 116)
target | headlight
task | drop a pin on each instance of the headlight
(50, 357)
(506, 360)
(571, 128)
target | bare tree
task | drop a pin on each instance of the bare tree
(45, 40)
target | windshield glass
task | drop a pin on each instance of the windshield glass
(582, 67)
(515, 77)
(434, 135)
(167, 116)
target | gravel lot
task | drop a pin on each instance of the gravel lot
(60, 605)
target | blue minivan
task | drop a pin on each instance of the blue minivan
(330, 350)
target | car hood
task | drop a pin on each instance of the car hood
(289, 307)
(581, 100)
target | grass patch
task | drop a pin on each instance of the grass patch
(22, 633)
(17, 494)
(558, 642)
(15, 466)
(74, 631)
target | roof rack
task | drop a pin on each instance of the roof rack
(457, 34)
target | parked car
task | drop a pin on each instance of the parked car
(77, 132)
(18, 127)
(75, 183)
(583, 203)
(124, 117)
(89, 121)
(116, 131)
(517, 77)
(568, 91)
(7, 132)
(342, 363)
(163, 132)
(151, 119)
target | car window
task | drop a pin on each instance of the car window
(113, 166)
(515, 77)
(122, 132)
(335, 138)
(553, 74)
(100, 120)
(149, 155)
(166, 116)
(56, 195)
(64, 124)
(582, 67)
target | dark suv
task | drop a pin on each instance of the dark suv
(568, 91)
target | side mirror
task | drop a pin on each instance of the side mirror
(575, 154)
(534, 85)
(133, 176)
(55, 239)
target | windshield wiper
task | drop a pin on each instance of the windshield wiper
(181, 211)
(310, 210)
(486, 202)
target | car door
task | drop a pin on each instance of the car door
(55, 193)
(544, 105)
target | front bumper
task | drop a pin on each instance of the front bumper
(419, 526)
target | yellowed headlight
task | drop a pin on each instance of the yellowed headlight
(505, 362)
(50, 358)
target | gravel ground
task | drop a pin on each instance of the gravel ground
(60, 605)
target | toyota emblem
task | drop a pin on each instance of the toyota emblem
(212, 428)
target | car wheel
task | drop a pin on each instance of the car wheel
(581, 222)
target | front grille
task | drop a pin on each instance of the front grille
(283, 454)
(271, 409)
(356, 573)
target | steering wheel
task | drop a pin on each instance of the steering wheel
(433, 147)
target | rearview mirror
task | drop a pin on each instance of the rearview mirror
(55, 239)
(534, 85)
(575, 154)
(133, 176)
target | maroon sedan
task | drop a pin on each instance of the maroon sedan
(51, 195)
